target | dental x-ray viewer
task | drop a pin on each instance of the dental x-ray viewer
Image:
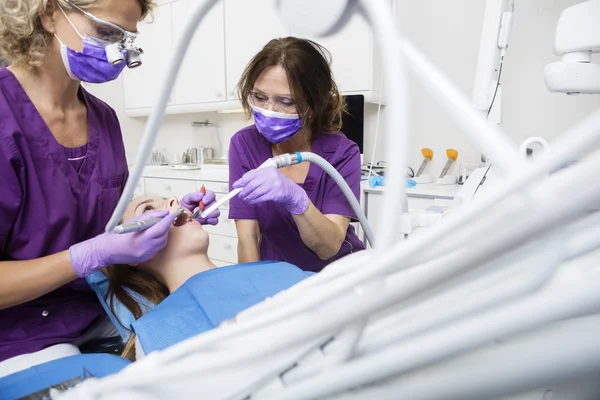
(62, 170)
(295, 214)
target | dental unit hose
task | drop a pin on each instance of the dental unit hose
(295, 158)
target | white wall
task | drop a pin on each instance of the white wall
(448, 33)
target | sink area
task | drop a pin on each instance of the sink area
(185, 166)
(216, 162)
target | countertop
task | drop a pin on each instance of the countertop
(428, 190)
(220, 173)
(208, 172)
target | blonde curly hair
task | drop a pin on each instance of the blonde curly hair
(23, 39)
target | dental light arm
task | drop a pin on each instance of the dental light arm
(577, 37)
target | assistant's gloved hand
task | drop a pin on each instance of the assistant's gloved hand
(129, 248)
(268, 184)
(191, 201)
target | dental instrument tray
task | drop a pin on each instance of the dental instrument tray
(185, 166)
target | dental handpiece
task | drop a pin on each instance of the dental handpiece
(141, 224)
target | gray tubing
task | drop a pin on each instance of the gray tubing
(341, 182)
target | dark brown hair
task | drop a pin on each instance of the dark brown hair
(307, 65)
(122, 281)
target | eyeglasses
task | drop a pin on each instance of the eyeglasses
(102, 29)
(118, 38)
(280, 103)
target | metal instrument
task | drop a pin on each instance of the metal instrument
(141, 224)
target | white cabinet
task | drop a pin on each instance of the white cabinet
(202, 75)
(141, 85)
(250, 25)
(225, 41)
(223, 248)
(418, 198)
(169, 187)
(352, 55)
(356, 58)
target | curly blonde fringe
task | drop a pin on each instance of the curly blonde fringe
(23, 39)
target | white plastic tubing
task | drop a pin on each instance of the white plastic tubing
(158, 112)
(339, 179)
(490, 138)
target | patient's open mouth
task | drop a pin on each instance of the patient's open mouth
(183, 219)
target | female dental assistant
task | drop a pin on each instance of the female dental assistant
(295, 214)
(62, 170)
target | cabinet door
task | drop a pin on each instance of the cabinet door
(250, 25)
(223, 248)
(141, 85)
(168, 187)
(350, 51)
(202, 75)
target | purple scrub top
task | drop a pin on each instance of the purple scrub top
(52, 197)
(281, 239)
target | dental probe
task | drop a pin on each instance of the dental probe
(141, 224)
(230, 195)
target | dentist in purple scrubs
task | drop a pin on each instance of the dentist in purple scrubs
(295, 214)
(62, 171)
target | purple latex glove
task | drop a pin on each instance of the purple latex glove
(268, 184)
(129, 248)
(191, 201)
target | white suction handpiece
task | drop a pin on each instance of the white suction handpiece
(234, 192)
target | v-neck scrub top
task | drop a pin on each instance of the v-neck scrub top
(52, 197)
(280, 238)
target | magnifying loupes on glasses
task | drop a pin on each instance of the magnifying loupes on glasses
(132, 56)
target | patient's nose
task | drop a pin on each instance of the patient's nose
(173, 204)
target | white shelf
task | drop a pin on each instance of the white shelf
(427, 190)
(221, 49)
(214, 173)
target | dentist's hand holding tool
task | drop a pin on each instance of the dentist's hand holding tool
(130, 248)
(198, 201)
(268, 184)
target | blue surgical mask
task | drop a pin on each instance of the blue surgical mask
(274, 126)
(91, 64)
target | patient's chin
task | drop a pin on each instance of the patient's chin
(188, 238)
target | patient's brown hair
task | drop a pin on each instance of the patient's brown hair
(122, 281)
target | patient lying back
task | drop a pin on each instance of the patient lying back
(192, 294)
